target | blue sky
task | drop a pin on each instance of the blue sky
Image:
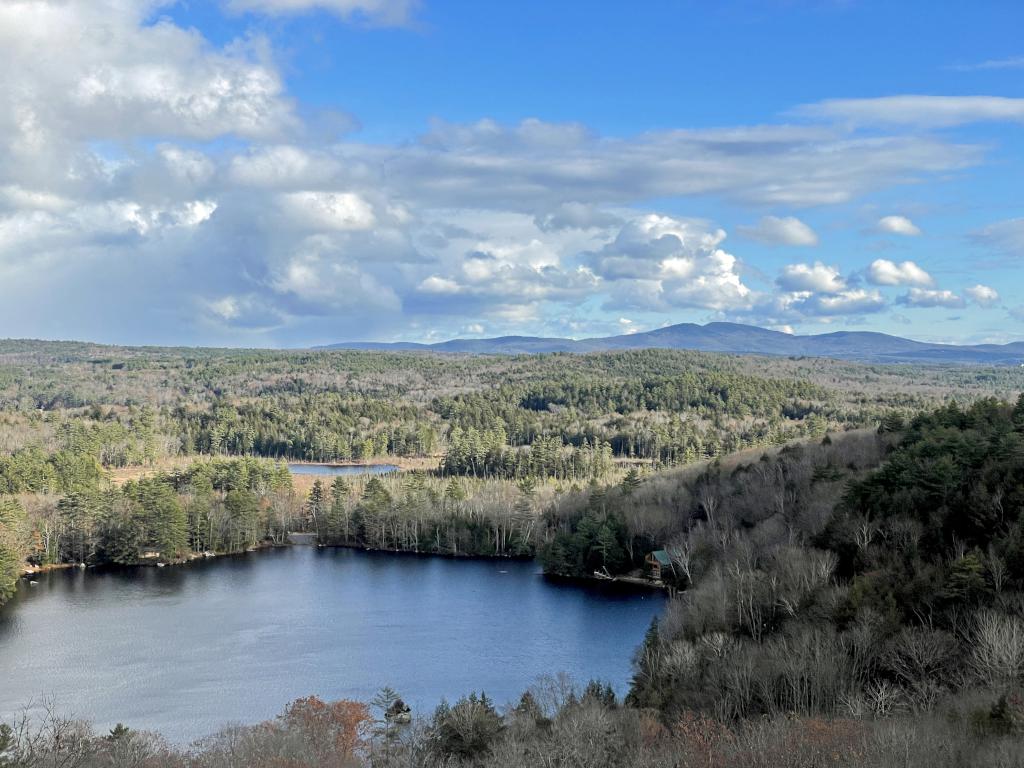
(292, 172)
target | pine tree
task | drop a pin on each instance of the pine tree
(630, 482)
(1018, 413)
(644, 688)
(315, 505)
(338, 518)
(454, 492)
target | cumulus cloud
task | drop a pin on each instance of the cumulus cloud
(781, 231)
(817, 277)
(659, 261)
(324, 278)
(143, 159)
(898, 225)
(320, 210)
(279, 166)
(885, 272)
(982, 295)
(854, 301)
(95, 70)
(925, 297)
(857, 301)
(438, 284)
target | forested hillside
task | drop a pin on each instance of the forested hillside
(851, 595)
(510, 447)
(852, 601)
(848, 591)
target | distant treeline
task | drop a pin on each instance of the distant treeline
(134, 406)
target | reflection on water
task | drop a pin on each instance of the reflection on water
(185, 649)
(342, 469)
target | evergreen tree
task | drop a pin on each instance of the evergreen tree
(315, 505)
(631, 481)
(12, 550)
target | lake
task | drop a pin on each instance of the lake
(342, 469)
(186, 649)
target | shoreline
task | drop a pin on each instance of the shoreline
(621, 581)
(403, 463)
(120, 475)
(632, 582)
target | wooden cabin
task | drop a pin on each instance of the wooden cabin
(658, 563)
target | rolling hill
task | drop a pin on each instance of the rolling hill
(735, 338)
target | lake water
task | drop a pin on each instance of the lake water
(342, 469)
(186, 649)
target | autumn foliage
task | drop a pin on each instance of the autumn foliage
(334, 732)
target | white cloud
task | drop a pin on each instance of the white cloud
(919, 111)
(982, 295)
(328, 210)
(885, 272)
(376, 11)
(138, 155)
(849, 302)
(629, 327)
(325, 279)
(817, 277)
(94, 69)
(1006, 236)
(26, 199)
(781, 231)
(855, 301)
(226, 307)
(1013, 62)
(436, 284)
(924, 297)
(281, 165)
(535, 165)
(577, 216)
(189, 167)
(659, 261)
(898, 225)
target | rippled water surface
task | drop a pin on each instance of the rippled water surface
(185, 649)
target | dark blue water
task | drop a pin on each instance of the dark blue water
(186, 649)
(342, 469)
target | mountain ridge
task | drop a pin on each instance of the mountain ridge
(736, 338)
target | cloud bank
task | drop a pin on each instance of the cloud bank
(167, 189)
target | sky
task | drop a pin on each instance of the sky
(299, 172)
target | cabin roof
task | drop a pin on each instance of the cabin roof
(661, 556)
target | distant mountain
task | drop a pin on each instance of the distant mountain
(731, 337)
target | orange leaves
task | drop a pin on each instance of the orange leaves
(335, 731)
